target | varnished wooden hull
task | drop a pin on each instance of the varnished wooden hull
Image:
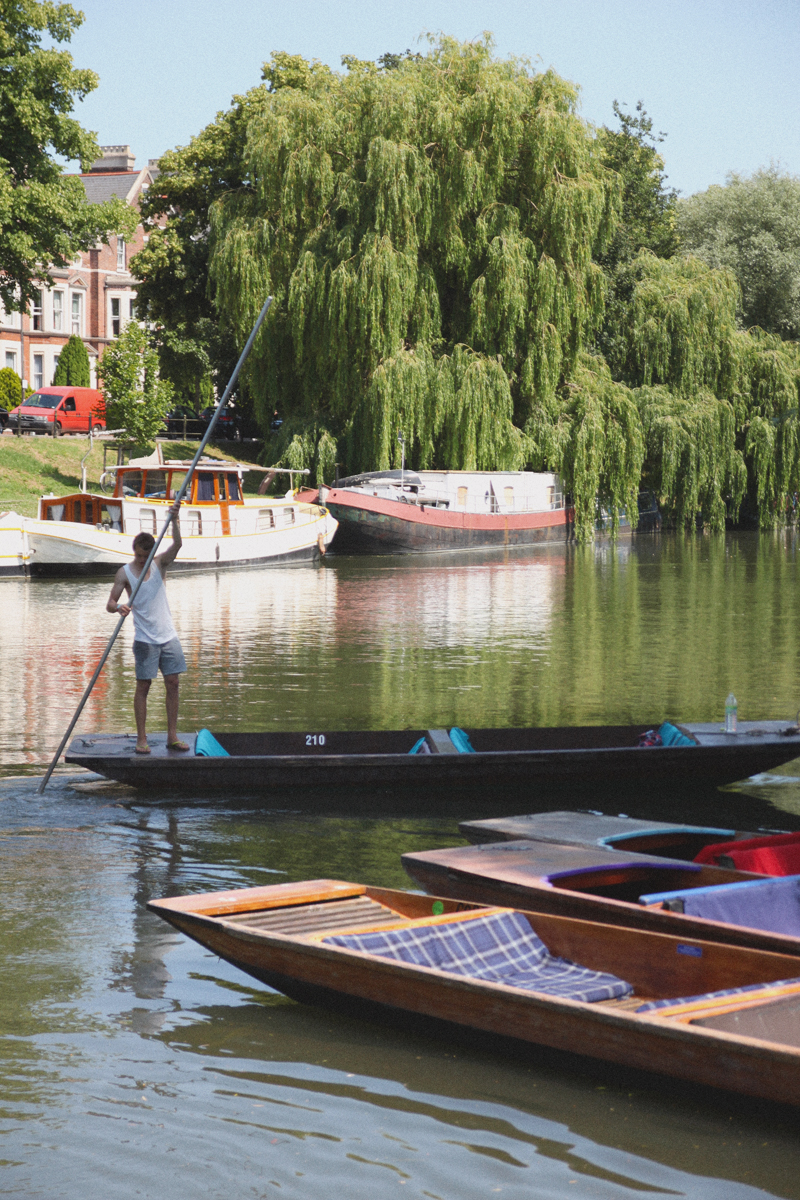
(517, 874)
(655, 964)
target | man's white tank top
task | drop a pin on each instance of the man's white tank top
(152, 620)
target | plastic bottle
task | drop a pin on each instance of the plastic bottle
(730, 713)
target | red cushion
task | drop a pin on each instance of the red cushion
(777, 854)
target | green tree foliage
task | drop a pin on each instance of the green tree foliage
(427, 231)
(751, 227)
(647, 219)
(73, 365)
(10, 388)
(172, 268)
(454, 253)
(45, 217)
(137, 400)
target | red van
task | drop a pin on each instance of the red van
(74, 410)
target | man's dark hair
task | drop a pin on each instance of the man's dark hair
(145, 540)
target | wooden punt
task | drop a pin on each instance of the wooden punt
(598, 831)
(592, 884)
(748, 1043)
(571, 756)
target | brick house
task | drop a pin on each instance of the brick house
(94, 297)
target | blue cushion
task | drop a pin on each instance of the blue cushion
(420, 747)
(737, 991)
(672, 736)
(498, 948)
(770, 904)
(461, 741)
(208, 746)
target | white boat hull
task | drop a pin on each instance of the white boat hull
(14, 552)
(71, 548)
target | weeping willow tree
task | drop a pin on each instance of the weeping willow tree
(718, 404)
(428, 234)
(455, 254)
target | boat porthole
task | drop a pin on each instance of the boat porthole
(437, 908)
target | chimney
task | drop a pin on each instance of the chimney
(115, 158)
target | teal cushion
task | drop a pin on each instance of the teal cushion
(208, 746)
(461, 741)
(672, 736)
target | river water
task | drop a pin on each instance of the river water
(135, 1064)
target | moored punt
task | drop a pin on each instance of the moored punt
(587, 755)
(620, 888)
(673, 839)
(723, 1016)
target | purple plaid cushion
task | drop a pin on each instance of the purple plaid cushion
(497, 948)
(750, 987)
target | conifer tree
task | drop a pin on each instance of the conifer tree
(73, 365)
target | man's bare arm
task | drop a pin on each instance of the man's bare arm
(171, 553)
(119, 585)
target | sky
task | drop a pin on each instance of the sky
(720, 79)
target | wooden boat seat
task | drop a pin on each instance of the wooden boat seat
(330, 915)
(439, 742)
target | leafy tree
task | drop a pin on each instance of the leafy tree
(751, 227)
(647, 219)
(10, 388)
(137, 400)
(45, 217)
(73, 365)
(427, 231)
(172, 268)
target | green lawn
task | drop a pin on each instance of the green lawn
(31, 467)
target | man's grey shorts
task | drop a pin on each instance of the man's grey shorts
(149, 657)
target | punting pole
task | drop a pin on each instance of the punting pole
(167, 523)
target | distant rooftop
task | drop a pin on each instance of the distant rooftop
(114, 158)
(115, 174)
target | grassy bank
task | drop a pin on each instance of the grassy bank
(31, 467)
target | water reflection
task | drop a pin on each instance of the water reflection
(136, 1063)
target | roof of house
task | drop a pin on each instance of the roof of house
(101, 186)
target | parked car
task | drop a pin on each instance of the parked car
(183, 421)
(229, 425)
(69, 409)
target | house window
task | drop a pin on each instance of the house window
(120, 253)
(115, 317)
(11, 360)
(38, 371)
(77, 313)
(133, 310)
(36, 312)
(58, 311)
(56, 357)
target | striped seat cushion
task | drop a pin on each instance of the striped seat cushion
(497, 948)
(750, 991)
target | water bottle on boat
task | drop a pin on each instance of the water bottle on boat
(730, 713)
